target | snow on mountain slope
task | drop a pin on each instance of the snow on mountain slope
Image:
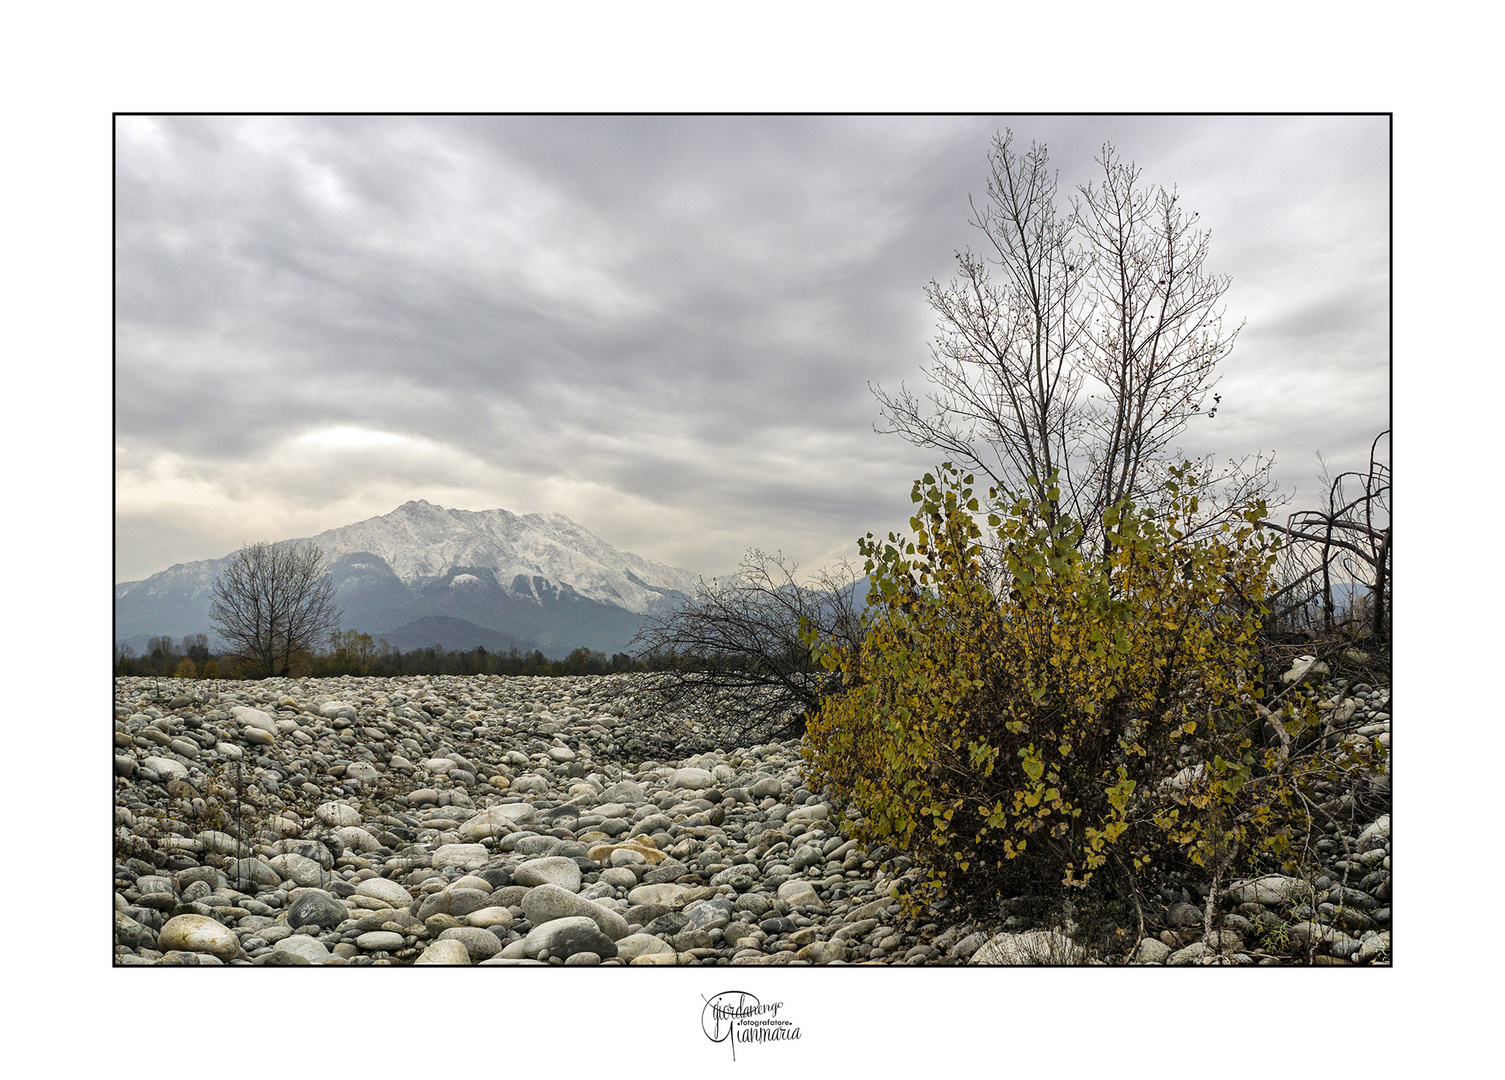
(421, 541)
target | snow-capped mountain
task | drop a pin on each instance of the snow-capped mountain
(539, 579)
(421, 542)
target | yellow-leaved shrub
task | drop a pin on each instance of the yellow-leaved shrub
(1030, 715)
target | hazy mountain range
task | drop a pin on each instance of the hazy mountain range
(423, 575)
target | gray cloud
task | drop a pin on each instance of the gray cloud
(661, 326)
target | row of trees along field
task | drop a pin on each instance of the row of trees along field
(353, 653)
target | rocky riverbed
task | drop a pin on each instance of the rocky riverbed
(522, 821)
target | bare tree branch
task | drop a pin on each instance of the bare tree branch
(273, 602)
(1112, 298)
(734, 657)
(1359, 526)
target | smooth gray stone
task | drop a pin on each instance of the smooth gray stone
(385, 940)
(532, 844)
(550, 870)
(316, 908)
(304, 945)
(766, 787)
(564, 937)
(447, 952)
(133, 934)
(1191, 955)
(456, 902)
(805, 857)
(481, 944)
(632, 946)
(742, 878)
(299, 869)
(198, 933)
(692, 779)
(207, 874)
(668, 925)
(309, 849)
(548, 902)
(385, 890)
(1368, 950)
(824, 952)
(709, 914)
(1184, 915)
(753, 903)
(1271, 890)
(666, 873)
(563, 816)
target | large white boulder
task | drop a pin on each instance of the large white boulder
(1030, 947)
(248, 717)
(692, 779)
(496, 821)
(545, 903)
(338, 814)
(1271, 890)
(386, 890)
(464, 856)
(1306, 669)
(166, 768)
(198, 933)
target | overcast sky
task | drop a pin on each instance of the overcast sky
(662, 327)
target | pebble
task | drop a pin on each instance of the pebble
(565, 936)
(374, 940)
(446, 951)
(198, 933)
(498, 821)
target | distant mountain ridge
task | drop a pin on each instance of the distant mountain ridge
(540, 580)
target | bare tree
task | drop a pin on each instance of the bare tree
(1113, 300)
(274, 600)
(1352, 533)
(735, 657)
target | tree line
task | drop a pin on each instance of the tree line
(354, 653)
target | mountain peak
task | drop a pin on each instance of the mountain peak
(413, 506)
(491, 568)
(422, 542)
